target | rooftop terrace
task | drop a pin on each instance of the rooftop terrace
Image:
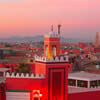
(84, 76)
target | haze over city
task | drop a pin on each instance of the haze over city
(79, 18)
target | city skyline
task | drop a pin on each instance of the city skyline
(79, 18)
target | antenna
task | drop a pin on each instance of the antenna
(59, 26)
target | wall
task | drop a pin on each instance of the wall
(40, 68)
(85, 96)
(27, 84)
(17, 96)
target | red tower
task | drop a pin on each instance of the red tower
(51, 45)
(54, 67)
(97, 39)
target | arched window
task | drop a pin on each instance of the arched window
(46, 50)
(54, 50)
(1, 74)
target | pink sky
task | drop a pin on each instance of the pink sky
(79, 18)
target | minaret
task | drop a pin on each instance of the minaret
(54, 68)
(97, 39)
(51, 44)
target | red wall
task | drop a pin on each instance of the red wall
(2, 91)
(69, 67)
(74, 82)
(85, 96)
(32, 68)
(40, 84)
(40, 68)
(28, 84)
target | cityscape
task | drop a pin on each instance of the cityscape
(45, 57)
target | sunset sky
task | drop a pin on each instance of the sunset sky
(79, 18)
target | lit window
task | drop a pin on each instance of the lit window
(54, 50)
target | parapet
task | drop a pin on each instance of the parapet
(22, 75)
(55, 59)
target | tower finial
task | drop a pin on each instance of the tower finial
(52, 28)
(59, 26)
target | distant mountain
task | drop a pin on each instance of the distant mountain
(74, 40)
(40, 38)
(22, 39)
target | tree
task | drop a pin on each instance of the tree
(12, 68)
(23, 68)
(4, 64)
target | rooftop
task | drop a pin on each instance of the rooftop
(84, 76)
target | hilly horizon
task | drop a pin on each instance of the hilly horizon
(40, 38)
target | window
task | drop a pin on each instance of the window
(54, 50)
(99, 82)
(70, 82)
(46, 50)
(64, 58)
(31, 60)
(93, 84)
(1, 74)
(80, 83)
